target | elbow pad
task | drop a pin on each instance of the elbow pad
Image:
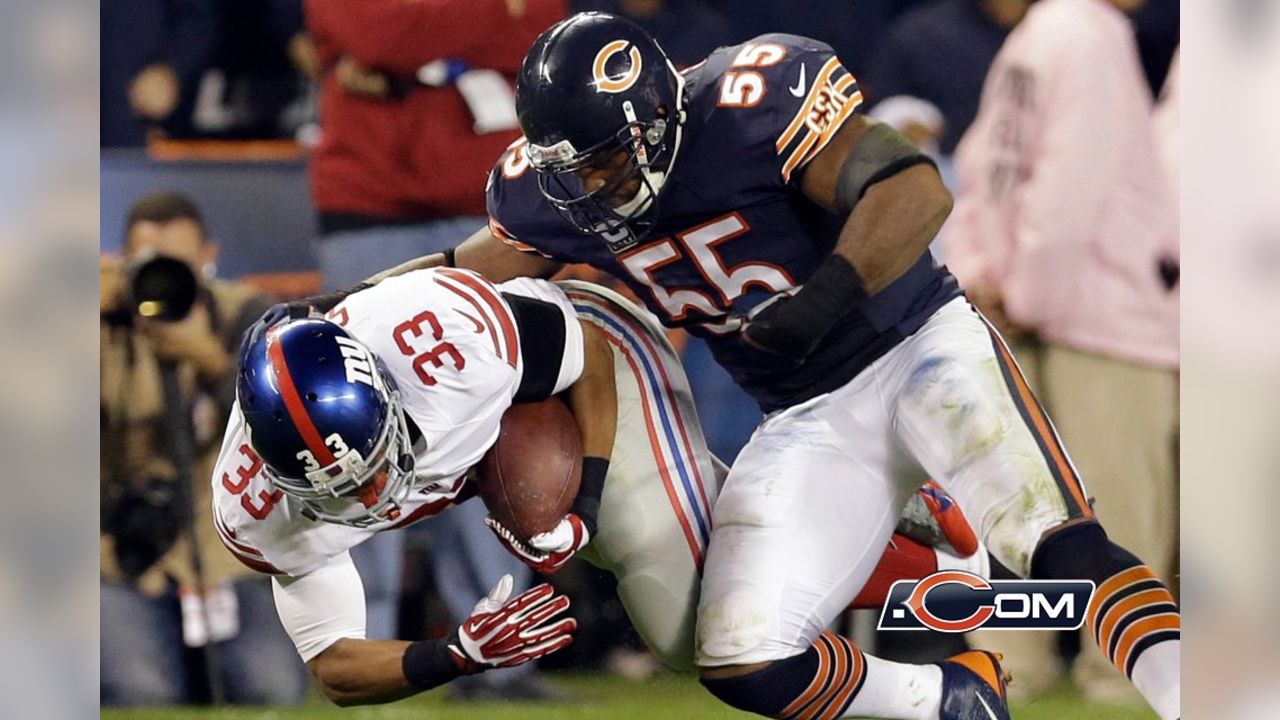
(881, 153)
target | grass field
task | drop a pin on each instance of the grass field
(596, 698)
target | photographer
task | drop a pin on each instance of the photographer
(168, 338)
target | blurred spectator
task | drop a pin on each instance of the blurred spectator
(1064, 229)
(258, 85)
(688, 30)
(153, 55)
(938, 54)
(1157, 24)
(854, 29)
(416, 105)
(1167, 121)
(149, 592)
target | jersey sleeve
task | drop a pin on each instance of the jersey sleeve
(518, 215)
(449, 341)
(258, 524)
(322, 607)
(787, 91)
(550, 334)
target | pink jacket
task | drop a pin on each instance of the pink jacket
(1062, 201)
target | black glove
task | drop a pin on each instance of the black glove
(275, 314)
(792, 326)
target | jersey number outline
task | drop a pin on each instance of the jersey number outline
(699, 244)
(746, 88)
(413, 327)
(246, 473)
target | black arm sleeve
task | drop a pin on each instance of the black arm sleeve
(542, 343)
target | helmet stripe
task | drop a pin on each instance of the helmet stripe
(293, 403)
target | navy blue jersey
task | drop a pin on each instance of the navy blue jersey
(734, 228)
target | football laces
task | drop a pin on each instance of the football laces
(516, 542)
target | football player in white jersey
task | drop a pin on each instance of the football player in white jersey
(370, 419)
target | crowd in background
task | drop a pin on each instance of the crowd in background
(1043, 120)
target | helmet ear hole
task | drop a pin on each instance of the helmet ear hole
(311, 397)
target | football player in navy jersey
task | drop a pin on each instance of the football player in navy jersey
(748, 201)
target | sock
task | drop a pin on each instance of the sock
(1132, 615)
(898, 690)
(1150, 671)
(834, 679)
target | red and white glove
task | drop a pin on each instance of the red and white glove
(502, 633)
(545, 552)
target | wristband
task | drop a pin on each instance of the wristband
(428, 663)
(587, 505)
(450, 257)
(828, 295)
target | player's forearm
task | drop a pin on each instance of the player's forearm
(368, 672)
(893, 224)
(594, 397)
(362, 672)
(594, 400)
(419, 263)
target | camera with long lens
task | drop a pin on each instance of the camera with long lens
(160, 288)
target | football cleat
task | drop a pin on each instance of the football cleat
(932, 518)
(974, 687)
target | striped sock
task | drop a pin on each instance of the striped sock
(834, 679)
(1132, 616)
(1136, 622)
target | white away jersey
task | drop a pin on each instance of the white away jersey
(451, 344)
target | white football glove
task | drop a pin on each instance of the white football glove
(549, 551)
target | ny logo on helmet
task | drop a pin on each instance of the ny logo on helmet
(356, 361)
(618, 83)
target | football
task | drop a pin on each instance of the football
(529, 478)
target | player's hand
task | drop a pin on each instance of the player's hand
(545, 552)
(763, 332)
(274, 315)
(502, 633)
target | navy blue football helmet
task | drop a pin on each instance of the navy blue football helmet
(594, 89)
(326, 419)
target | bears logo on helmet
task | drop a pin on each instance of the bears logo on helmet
(605, 83)
(597, 92)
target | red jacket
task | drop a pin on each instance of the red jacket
(415, 157)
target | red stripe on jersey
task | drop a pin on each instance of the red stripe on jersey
(423, 511)
(247, 556)
(500, 312)
(488, 321)
(293, 403)
(228, 536)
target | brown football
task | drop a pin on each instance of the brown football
(529, 478)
